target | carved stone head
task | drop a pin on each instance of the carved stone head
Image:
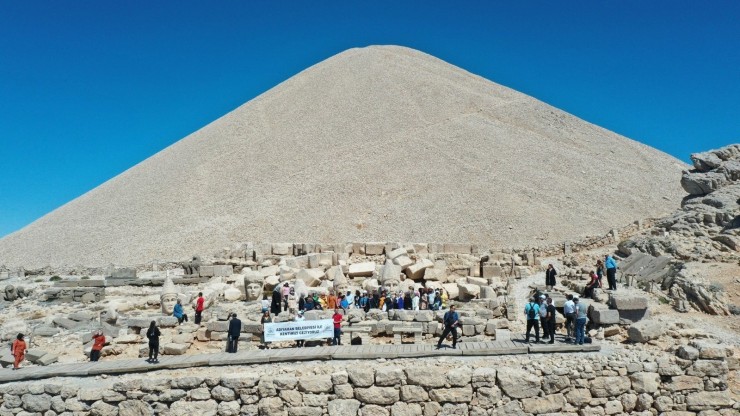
(168, 298)
(253, 286)
(340, 282)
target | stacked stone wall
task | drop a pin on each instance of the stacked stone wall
(634, 382)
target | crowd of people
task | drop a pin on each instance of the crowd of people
(284, 299)
(541, 314)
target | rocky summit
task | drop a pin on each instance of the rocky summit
(382, 143)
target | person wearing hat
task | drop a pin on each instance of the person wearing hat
(581, 318)
(299, 318)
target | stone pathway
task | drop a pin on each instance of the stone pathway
(350, 352)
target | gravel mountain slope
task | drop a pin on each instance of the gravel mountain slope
(380, 143)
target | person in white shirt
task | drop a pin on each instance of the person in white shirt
(543, 316)
(415, 301)
(350, 299)
(569, 310)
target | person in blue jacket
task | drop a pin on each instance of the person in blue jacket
(179, 313)
(611, 271)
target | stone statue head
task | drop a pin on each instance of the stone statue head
(253, 286)
(169, 297)
(340, 282)
(390, 276)
(10, 293)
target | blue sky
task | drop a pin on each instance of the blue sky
(90, 88)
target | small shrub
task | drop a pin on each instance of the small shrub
(38, 280)
(716, 287)
(55, 278)
(85, 278)
(734, 309)
(664, 300)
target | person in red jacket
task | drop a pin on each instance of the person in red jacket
(98, 344)
(199, 306)
(19, 351)
(337, 327)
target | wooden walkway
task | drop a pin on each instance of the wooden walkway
(350, 352)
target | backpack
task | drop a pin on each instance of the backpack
(531, 313)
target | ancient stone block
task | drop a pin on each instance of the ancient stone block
(374, 249)
(365, 269)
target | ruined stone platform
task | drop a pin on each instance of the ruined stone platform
(349, 352)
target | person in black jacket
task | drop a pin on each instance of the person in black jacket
(152, 335)
(451, 320)
(550, 274)
(277, 299)
(235, 329)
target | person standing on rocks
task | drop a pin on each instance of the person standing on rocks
(199, 306)
(569, 309)
(235, 329)
(611, 271)
(451, 321)
(337, 318)
(98, 344)
(550, 321)
(153, 334)
(19, 351)
(581, 318)
(550, 274)
(532, 312)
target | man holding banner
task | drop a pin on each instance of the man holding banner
(337, 318)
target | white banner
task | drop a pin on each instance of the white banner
(288, 331)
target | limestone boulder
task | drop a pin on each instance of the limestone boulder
(552, 403)
(416, 270)
(377, 395)
(645, 331)
(311, 277)
(134, 408)
(428, 377)
(343, 407)
(365, 269)
(517, 383)
(645, 382)
(201, 408)
(452, 395)
(468, 291)
(452, 290)
(36, 402)
(175, 349)
(315, 384)
(609, 386)
(232, 294)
